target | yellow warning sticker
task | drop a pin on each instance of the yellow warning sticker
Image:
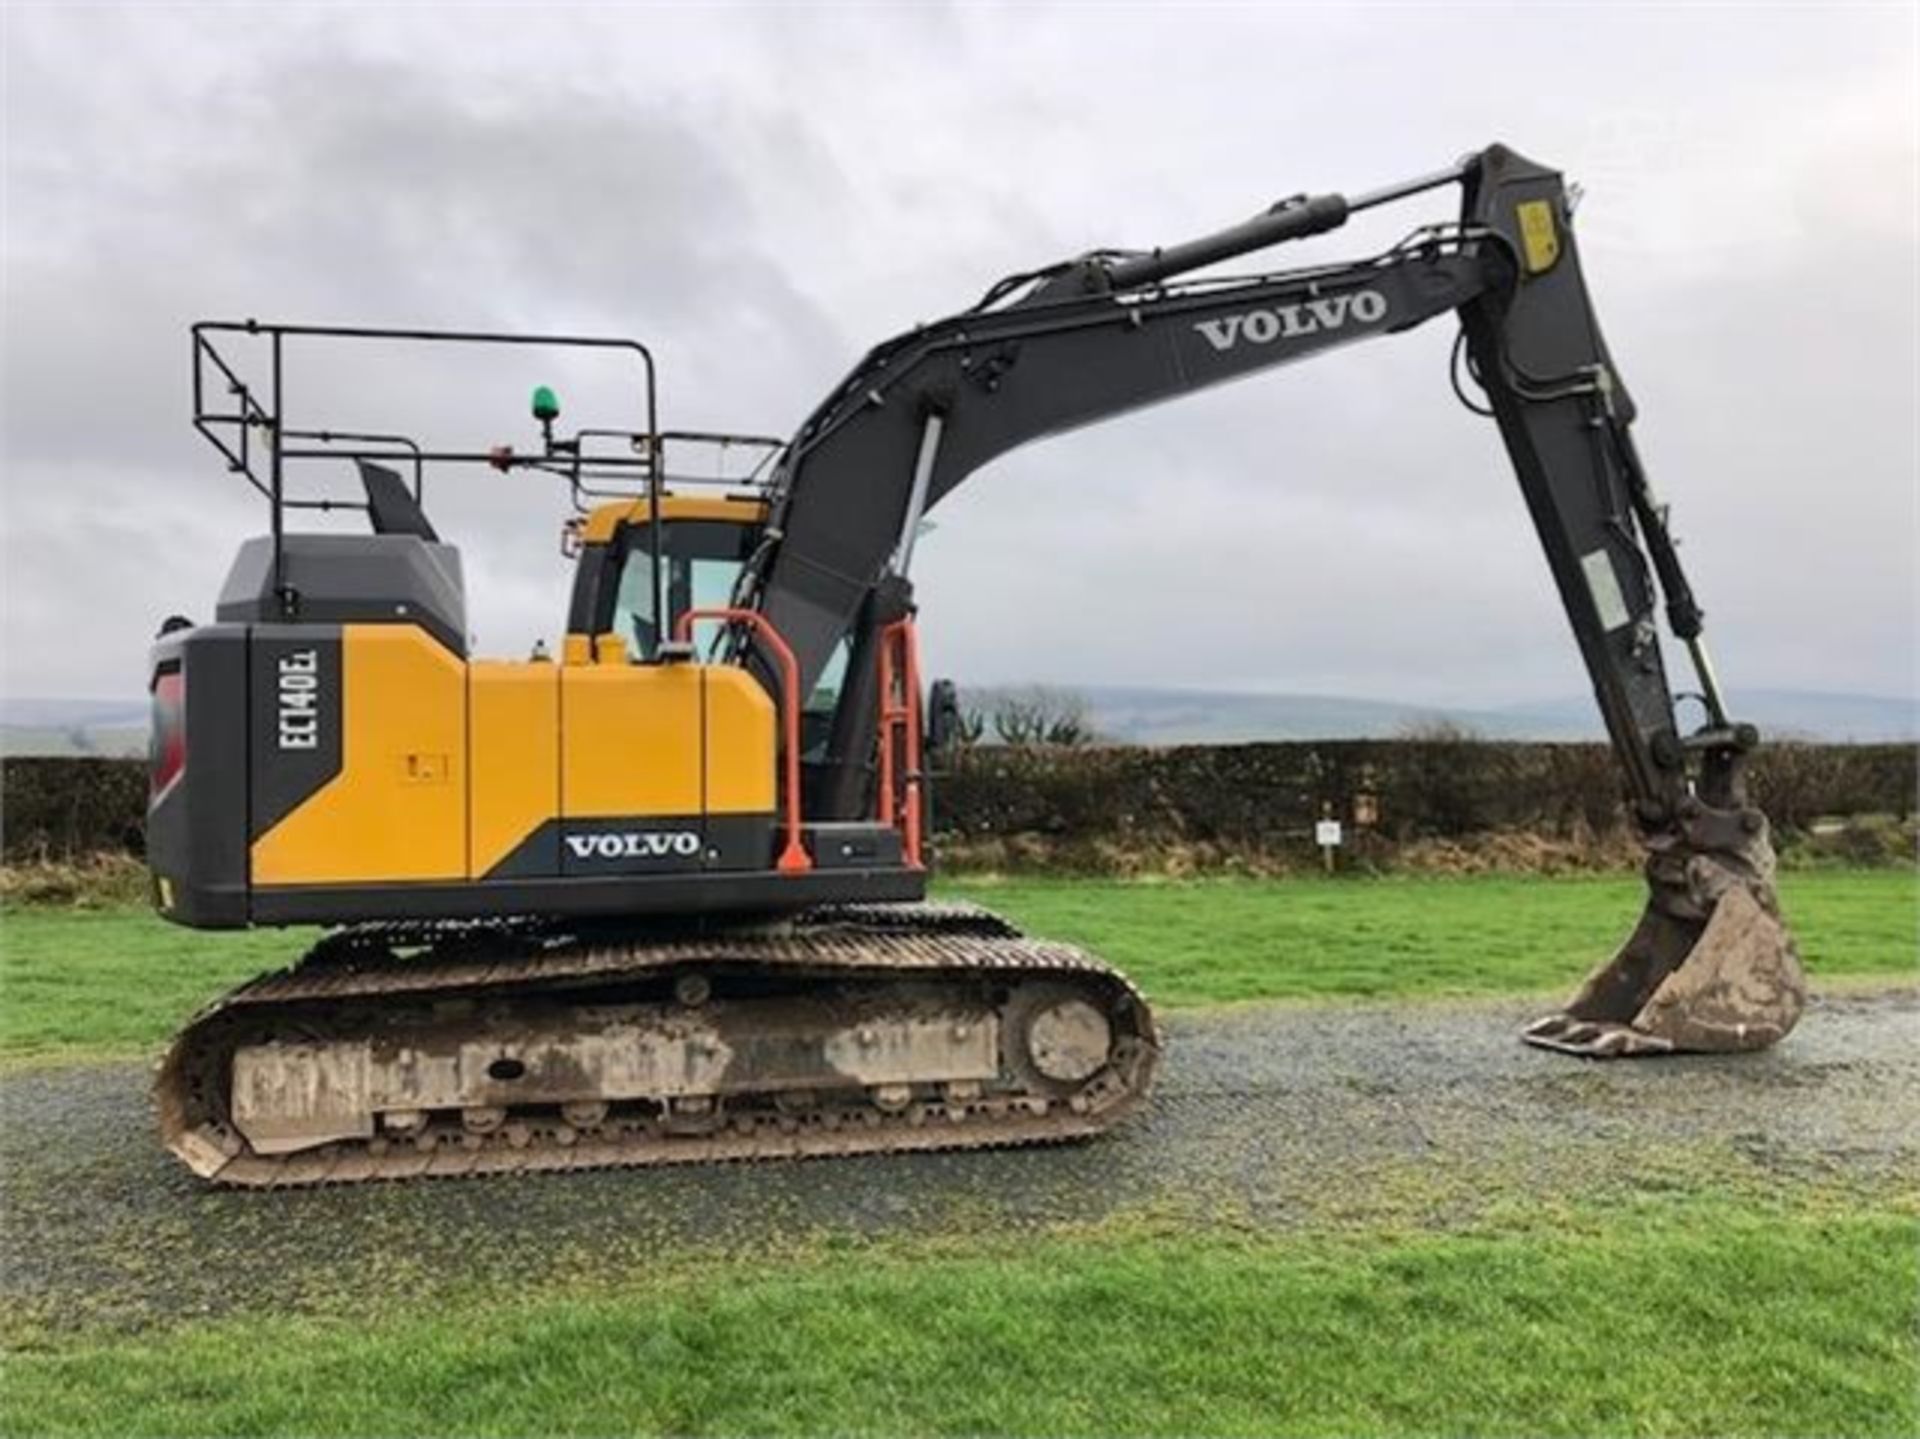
(1539, 241)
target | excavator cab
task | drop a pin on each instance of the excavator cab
(702, 545)
(705, 542)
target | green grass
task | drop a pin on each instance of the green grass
(1682, 1306)
(1689, 1316)
(103, 983)
(78, 984)
(1210, 942)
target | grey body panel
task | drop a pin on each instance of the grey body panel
(729, 893)
(854, 845)
(286, 770)
(351, 578)
(582, 847)
(197, 827)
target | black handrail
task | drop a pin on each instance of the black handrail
(231, 429)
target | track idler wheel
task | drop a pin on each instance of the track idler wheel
(1711, 967)
(1057, 1039)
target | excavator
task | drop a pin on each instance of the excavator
(662, 896)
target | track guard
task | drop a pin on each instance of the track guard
(1711, 968)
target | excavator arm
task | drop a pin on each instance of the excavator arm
(1711, 965)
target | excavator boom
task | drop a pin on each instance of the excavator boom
(1108, 333)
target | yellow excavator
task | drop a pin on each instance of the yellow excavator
(661, 896)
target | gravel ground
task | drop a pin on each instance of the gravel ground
(1267, 1116)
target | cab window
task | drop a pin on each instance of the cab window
(826, 689)
(700, 563)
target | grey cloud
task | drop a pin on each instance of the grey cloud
(347, 191)
(762, 194)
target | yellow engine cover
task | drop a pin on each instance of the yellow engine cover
(450, 769)
(514, 728)
(397, 809)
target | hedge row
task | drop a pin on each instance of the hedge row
(68, 809)
(1241, 797)
(1262, 795)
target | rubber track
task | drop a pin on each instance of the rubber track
(532, 959)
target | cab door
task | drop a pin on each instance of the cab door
(632, 766)
(665, 766)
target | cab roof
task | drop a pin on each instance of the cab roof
(598, 527)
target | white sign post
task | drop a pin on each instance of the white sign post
(1326, 834)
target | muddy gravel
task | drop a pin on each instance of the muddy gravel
(1267, 1116)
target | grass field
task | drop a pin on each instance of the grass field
(115, 982)
(1701, 1295)
(1698, 1316)
(1222, 941)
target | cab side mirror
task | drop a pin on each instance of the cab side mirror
(943, 716)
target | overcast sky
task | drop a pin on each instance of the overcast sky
(762, 194)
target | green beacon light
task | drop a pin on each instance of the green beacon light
(546, 405)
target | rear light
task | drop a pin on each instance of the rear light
(167, 744)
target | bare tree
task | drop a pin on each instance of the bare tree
(1439, 729)
(1041, 715)
(1016, 719)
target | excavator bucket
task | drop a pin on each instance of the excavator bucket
(1711, 968)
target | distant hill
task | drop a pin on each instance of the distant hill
(72, 727)
(1781, 714)
(1143, 715)
(1139, 715)
(20, 741)
(24, 713)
